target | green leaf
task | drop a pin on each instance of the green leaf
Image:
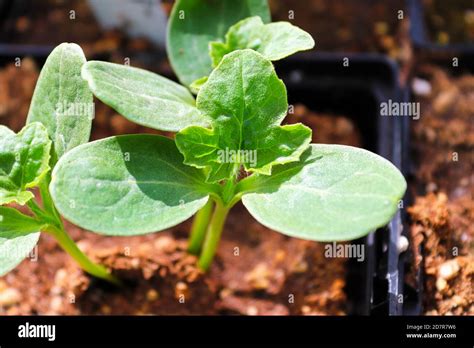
(24, 159)
(333, 193)
(274, 41)
(5, 132)
(196, 85)
(127, 185)
(195, 23)
(247, 102)
(15, 224)
(15, 250)
(62, 101)
(18, 236)
(143, 97)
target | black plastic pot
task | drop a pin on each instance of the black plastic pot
(419, 36)
(13, 50)
(4, 9)
(322, 83)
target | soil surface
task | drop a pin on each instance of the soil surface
(49, 22)
(443, 212)
(256, 271)
(343, 25)
(350, 25)
(17, 84)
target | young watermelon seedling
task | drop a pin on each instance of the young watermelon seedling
(230, 145)
(59, 119)
(200, 33)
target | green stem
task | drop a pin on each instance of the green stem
(66, 242)
(198, 230)
(48, 204)
(213, 235)
(228, 190)
(36, 209)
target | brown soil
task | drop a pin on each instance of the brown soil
(256, 271)
(48, 22)
(17, 84)
(443, 213)
(350, 25)
(16, 89)
(327, 129)
(450, 22)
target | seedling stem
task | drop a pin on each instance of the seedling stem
(199, 227)
(213, 235)
(66, 242)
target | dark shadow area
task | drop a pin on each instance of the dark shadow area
(146, 155)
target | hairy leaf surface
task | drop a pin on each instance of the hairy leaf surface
(274, 41)
(14, 224)
(247, 102)
(195, 23)
(62, 101)
(15, 250)
(127, 185)
(24, 159)
(333, 193)
(18, 236)
(143, 97)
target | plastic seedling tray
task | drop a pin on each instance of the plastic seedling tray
(419, 36)
(322, 83)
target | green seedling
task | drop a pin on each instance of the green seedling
(230, 145)
(59, 119)
(194, 24)
(196, 41)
